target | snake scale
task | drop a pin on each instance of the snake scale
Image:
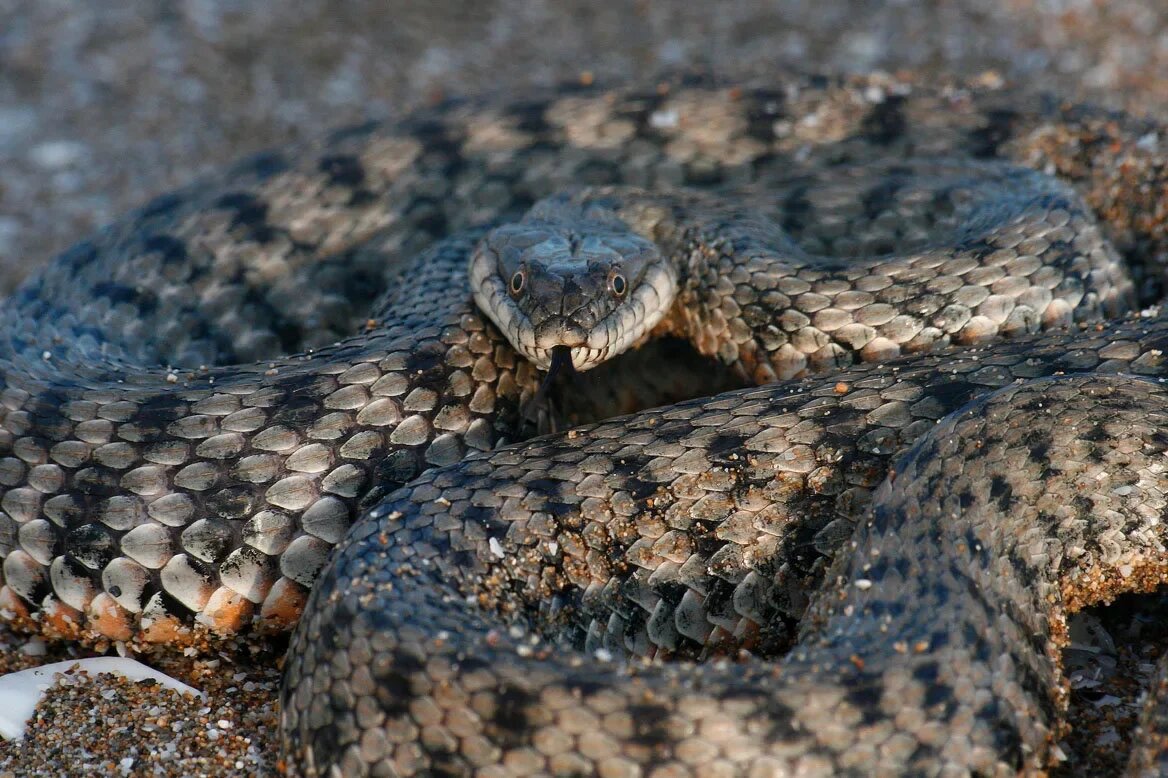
(272, 394)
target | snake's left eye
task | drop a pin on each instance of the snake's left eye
(618, 285)
(518, 281)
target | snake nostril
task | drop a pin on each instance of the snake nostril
(559, 331)
(573, 336)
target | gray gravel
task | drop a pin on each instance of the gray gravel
(103, 105)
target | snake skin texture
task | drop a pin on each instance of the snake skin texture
(205, 399)
(931, 654)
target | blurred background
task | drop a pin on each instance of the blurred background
(103, 105)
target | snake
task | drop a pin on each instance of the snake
(432, 394)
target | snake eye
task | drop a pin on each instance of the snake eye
(518, 281)
(618, 284)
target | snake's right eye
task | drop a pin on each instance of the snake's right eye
(518, 281)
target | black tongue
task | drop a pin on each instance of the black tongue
(561, 364)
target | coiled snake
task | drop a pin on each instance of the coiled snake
(169, 476)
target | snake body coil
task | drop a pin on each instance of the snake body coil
(170, 475)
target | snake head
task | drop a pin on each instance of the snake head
(576, 281)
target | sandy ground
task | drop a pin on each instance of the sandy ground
(104, 105)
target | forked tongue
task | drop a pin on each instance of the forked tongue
(561, 364)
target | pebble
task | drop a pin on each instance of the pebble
(109, 725)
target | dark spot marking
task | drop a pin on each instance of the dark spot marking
(361, 197)
(398, 468)
(778, 717)
(650, 724)
(353, 132)
(703, 174)
(434, 137)
(263, 165)
(1039, 448)
(595, 172)
(886, 122)
(640, 490)
(232, 503)
(877, 199)
(796, 208)
(96, 481)
(343, 170)
(698, 79)
(119, 294)
(78, 255)
(864, 693)
(425, 359)
(639, 109)
(250, 215)
(297, 411)
(530, 116)
(766, 105)
(160, 410)
(252, 558)
(512, 720)
(998, 128)
(1007, 740)
(725, 442)
(172, 607)
(162, 205)
(395, 690)
(212, 539)
(171, 250)
(940, 638)
(428, 215)
(1001, 491)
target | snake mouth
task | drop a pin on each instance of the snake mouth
(580, 358)
(560, 342)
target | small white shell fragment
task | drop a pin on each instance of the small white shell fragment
(21, 691)
(496, 548)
